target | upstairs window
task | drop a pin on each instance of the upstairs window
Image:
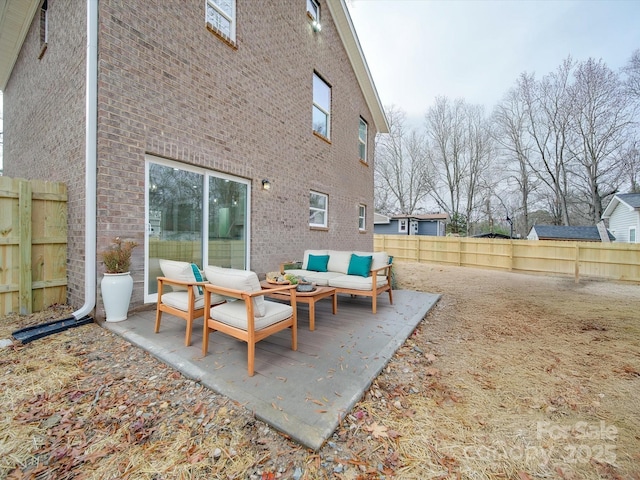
(44, 28)
(313, 10)
(318, 209)
(362, 140)
(362, 218)
(321, 107)
(221, 17)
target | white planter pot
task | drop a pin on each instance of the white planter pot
(116, 295)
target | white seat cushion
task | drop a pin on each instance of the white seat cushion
(243, 280)
(356, 282)
(235, 314)
(321, 279)
(180, 300)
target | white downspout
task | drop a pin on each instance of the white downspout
(91, 121)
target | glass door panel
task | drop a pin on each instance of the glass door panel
(228, 232)
(174, 229)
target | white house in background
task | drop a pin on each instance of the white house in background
(623, 215)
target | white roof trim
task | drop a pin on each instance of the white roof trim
(15, 19)
(350, 41)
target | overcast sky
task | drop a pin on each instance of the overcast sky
(419, 49)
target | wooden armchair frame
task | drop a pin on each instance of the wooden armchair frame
(188, 315)
(251, 336)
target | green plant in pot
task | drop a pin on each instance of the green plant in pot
(117, 284)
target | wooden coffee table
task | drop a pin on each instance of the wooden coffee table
(309, 298)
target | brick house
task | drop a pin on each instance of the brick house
(225, 132)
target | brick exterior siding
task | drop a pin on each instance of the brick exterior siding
(169, 87)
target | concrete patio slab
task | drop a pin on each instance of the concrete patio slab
(303, 393)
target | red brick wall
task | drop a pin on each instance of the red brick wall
(171, 88)
(44, 118)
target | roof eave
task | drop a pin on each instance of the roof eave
(15, 19)
(349, 38)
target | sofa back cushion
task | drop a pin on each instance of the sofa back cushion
(243, 280)
(339, 261)
(378, 259)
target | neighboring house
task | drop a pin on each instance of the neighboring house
(562, 232)
(427, 224)
(623, 215)
(235, 133)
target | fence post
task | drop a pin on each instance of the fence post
(24, 207)
(577, 264)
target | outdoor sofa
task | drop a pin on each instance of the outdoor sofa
(349, 272)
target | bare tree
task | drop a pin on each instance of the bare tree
(510, 134)
(632, 70)
(459, 151)
(547, 105)
(445, 131)
(600, 122)
(401, 169)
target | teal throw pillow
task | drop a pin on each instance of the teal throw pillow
(197, 276)
(359, 265)
(318, 263)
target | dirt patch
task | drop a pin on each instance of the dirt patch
(509, 376)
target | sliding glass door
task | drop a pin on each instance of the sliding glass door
(179, 199)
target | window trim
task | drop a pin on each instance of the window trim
(635, 234)
(362, 217)
(315, 209)
(319, 107)
(402, 225)
(363, 142)
(231, 38)
(315, 13)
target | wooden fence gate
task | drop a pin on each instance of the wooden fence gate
(33, 245)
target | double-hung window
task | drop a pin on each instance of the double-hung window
(321, 106)
(362, 140)
(221, 15)
(313, 10)
(362, 217)
(318, 209)
(632, 235)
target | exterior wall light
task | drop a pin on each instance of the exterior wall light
(266, 184)
(316, 26)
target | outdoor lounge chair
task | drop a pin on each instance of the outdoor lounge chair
(250, 317)
(185, 297)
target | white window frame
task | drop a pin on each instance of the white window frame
(325, 110)
(403, 225)
(362, 142)
(313, 10)
(362, 217)
(314, 210)
(635, 234)
(231, 18)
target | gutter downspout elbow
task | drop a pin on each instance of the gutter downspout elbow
(91, 122)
